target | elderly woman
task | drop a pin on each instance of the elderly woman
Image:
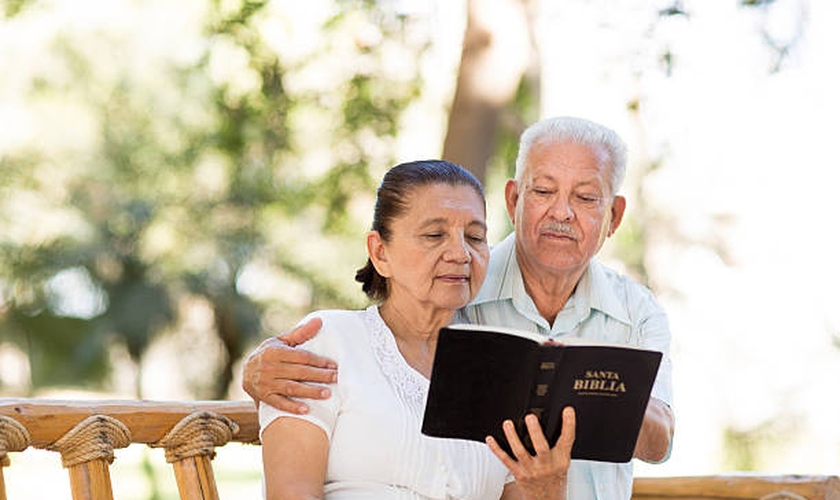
(428, 254)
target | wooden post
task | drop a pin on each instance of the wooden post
(87, 450)
(13, 437)
(91, 480)
(194, 476)
(190, 446)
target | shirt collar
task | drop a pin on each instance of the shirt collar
(502, 272)
(597, 291)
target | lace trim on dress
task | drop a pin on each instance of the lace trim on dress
(410, 385)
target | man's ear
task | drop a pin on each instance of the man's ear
(378, 255)
(616, 213)
(511, 197)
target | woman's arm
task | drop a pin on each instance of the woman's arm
(295, 455)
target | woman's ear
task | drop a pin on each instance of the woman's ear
(378, 255)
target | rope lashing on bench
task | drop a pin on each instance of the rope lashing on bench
(93, 438)
(197, 434)
(13, 437)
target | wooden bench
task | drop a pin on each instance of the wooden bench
(738, 487)
(86, 433)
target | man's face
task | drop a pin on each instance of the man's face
(562, 208)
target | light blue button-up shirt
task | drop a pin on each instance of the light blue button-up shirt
(605, 306)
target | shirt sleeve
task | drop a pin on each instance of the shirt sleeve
(656, 335)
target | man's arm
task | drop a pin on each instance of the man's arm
(657, 431)
(276, 371)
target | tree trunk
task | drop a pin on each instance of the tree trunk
(496, 52)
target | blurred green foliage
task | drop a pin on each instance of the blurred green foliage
(191, 179)
(755, 448)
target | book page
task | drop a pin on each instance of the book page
(535, 336)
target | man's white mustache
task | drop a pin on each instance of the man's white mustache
(559, 227)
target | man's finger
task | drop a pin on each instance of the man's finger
(294, 356)
(288, 389)
(301, 333)
(292, 364)
(285, 404)
(293, 389)
(305, 373)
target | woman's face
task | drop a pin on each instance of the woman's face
(438, 253)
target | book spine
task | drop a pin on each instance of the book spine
(539, 402)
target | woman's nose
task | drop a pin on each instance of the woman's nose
(458, 251)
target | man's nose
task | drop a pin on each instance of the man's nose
(562, 210)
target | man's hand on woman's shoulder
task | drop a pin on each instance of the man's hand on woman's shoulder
(277, 371)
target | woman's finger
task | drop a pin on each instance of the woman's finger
(519, 451)
(536, 434)
(501, 454)
(567, 434)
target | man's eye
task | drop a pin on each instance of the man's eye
(542, 191)
(433, 236)
(477, 238)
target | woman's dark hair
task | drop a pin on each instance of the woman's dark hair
(391, 202)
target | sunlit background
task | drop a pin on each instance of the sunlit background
(178, 180)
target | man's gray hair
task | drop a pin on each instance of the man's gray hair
(604, 142)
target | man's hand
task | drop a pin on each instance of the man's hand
(276, 371)
(656, 433)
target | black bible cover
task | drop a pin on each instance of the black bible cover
(482, 376)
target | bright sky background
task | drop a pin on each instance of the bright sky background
(748, 165)
(749, 160)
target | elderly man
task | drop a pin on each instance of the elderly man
(564, 204)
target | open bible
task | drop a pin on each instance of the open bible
(482, 376)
